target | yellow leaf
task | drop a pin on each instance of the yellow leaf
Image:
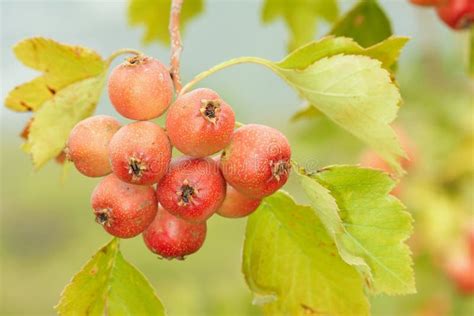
(61, 65)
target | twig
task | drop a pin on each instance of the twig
(176, 45)
(226, 64)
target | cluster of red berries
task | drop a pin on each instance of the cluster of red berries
(457, 14)
(169, 200)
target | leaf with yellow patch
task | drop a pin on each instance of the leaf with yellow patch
(61, 65)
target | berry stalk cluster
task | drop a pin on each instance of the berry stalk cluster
(168, 200)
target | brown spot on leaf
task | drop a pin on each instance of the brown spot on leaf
(53, 91)
(26, 130)
(308, 310)
(94, 270)
(359, 20)
(26, 106)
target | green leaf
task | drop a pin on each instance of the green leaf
(300, 16)
(366, 23)
(61, 65)
(368, 225)
(387, 52)
(292, 265)
(67, 92)
(354, 91)
(109, 285)
(50, 128)
(154, 15)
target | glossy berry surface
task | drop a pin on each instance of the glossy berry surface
(237, 205)
(140, 88)
(123, 209)
(140, 153)
(171, 237)
(193, 189)
(88, 143)
(200, 123)
(257, 161)
(457, 14)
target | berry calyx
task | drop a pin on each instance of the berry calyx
(257, 161)
(193, 189)
(123, 209)
(87, 146)
(140, 153)
(210, 110)
(237, 205)
(171, 237)
(140, 88)
(200, 123)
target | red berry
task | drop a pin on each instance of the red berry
(200, 123)
(257, 160)
(461, 272)
(140, 153)
(457, 14)
(123, 209)
(172, 237)
(87, 146)
(237, 205)
(140, 88)
(193, 189)
(425, 2)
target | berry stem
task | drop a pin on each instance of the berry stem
(228, 63)
(176, 44)
(122, 51)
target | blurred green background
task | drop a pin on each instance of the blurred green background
(47, 227)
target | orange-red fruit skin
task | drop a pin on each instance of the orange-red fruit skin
(204, 176)
(129, 208)
(457, 14)
(461, 273)
(140, 88)
(247, 162)
(172, 237)
(189, 130)
(237, 205)
(144, 142)
(425, 2)
(88, 143)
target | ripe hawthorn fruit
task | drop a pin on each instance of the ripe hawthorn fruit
(123, 209)
(87, 146)
(140, 88)
(199, 123)
(461, 272)
(257, 161)
(457, 14)
(237, 205)
(172, 237)
(193, 189)
(461, 269)
(140, 153)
